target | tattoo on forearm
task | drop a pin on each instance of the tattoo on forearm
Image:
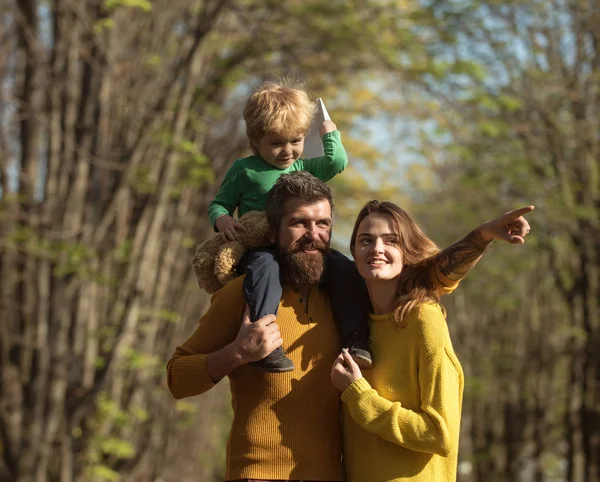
(459, 258)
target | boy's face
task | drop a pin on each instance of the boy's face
(279, 151)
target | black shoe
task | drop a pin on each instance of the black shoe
(275, 362)
(359, 350)
(362, 357)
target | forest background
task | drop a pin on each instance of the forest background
(119, 118)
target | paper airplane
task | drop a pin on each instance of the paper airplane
(313, 146)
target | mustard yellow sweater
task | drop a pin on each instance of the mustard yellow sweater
(401, 422)
(286, 425)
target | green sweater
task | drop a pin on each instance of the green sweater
(249, 180)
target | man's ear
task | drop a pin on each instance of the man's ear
(272, 237)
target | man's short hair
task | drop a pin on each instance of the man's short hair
(281, 107)
(299, 185)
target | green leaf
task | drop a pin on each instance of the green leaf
(144, 5)
(104, 24)
(105, 473)
(510, 103)
(587, 213)
(117, 447)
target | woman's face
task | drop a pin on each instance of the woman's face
(377, 253)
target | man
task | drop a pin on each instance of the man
(286, 426)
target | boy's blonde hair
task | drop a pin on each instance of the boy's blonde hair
(282, 107)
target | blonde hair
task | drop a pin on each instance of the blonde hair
(282, 107)
(414, 283)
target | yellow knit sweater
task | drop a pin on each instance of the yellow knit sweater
(286, 425)
(401, 422)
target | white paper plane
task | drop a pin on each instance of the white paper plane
(313, 146)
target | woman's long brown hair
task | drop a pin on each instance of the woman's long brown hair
(415, 285)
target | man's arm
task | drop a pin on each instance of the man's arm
(220, 344)
(254, 341)
(458, 259)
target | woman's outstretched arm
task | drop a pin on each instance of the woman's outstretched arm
(453, 263)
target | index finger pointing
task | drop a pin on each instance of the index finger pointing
(519, 212)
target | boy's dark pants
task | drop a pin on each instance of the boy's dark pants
(347, 291)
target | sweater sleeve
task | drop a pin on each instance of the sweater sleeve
(186, 370)
(228, 197)
(434, 427)
(333, 162)
(441, 283)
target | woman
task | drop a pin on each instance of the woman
(402, 421)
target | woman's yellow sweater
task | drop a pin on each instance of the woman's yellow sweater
(401, 422)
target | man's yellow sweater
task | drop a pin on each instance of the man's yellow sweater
(402, 421)
(286, 425)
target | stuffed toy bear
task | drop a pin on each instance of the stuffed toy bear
(215, 260)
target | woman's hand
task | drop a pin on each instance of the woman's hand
(511, 227)
(344, 371)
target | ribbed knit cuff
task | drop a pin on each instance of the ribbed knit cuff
(334, 134)
(189, 377)
(212, 217)
(352, 394)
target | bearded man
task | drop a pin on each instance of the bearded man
(286, 426)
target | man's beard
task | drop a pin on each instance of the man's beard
(300, 267)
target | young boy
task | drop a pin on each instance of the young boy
(278, 116)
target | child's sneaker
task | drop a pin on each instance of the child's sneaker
(359, 350)
(275, 362)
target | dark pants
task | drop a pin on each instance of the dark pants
(347, 291)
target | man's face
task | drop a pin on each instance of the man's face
(303, 239)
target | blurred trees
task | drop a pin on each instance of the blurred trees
(521, 122)
(118, 119)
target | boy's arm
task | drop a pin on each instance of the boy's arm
(228, 196)
(453, 263)
(335, 159)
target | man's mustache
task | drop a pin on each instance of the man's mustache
(308, 246)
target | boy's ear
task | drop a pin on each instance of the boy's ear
(253, 147)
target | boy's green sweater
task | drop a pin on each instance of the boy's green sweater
(249, 180)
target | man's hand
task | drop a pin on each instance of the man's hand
(228, 226)
(327, 126)
(256, 340)
(511, 227)
(344, 371)
(253, 342)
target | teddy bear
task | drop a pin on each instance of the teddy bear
(215, 261)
